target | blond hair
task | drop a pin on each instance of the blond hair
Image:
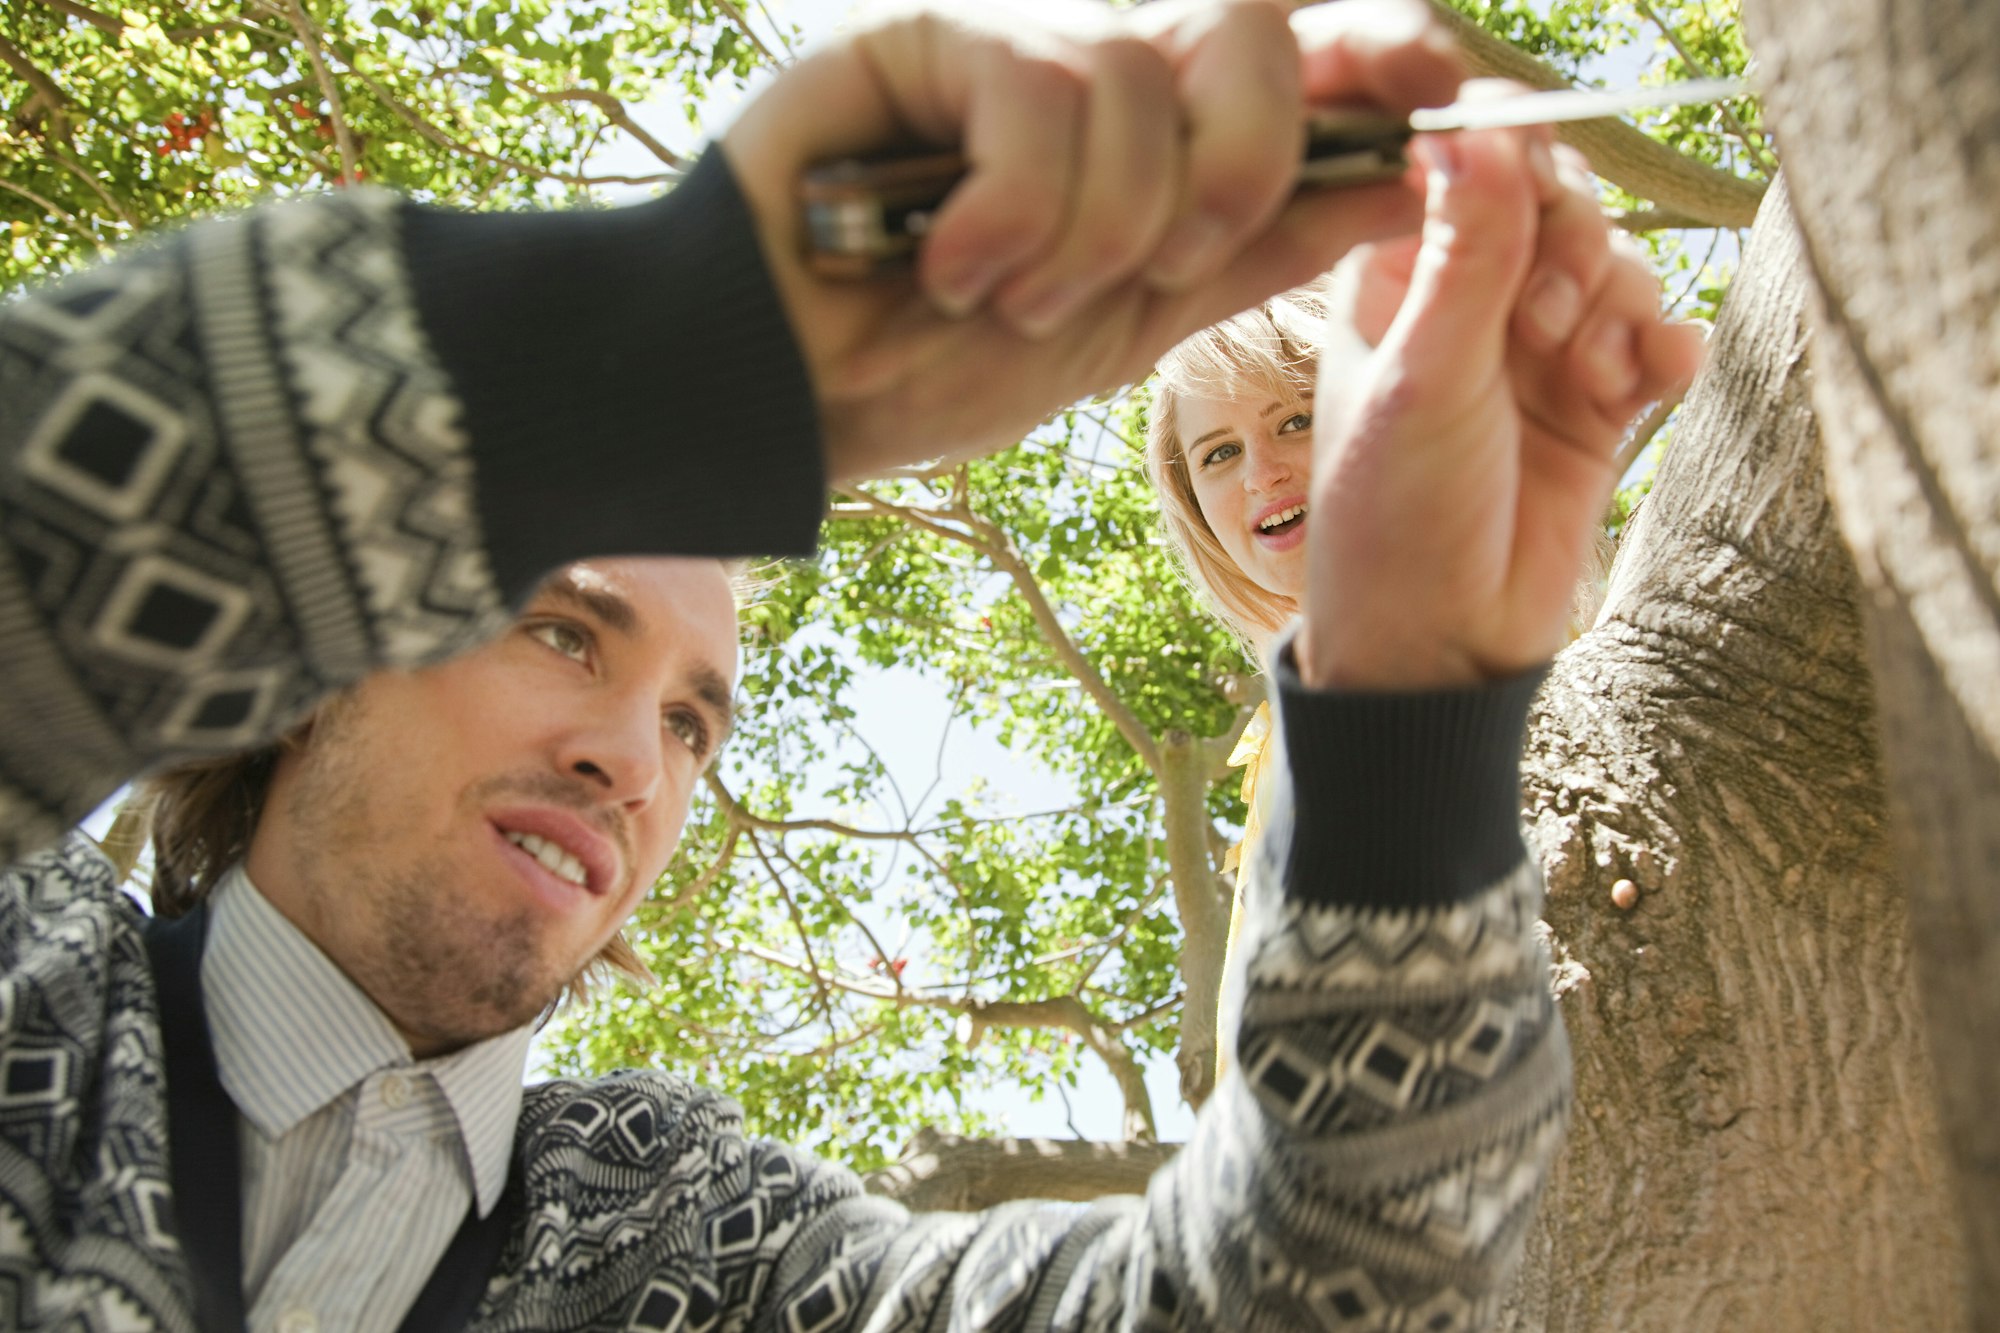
(1274, 347)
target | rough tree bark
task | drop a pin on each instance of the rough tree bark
(1754, 1144)
(952, 1174)
(1890, 114)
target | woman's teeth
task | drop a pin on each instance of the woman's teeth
(1282, 517)
(553, 858)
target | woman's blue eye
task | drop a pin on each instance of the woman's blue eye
(1297, 421)
(1221, 453)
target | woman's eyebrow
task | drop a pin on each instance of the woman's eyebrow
(1225, 430)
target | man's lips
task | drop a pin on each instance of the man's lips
(602, 863)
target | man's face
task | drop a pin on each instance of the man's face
(461, 840)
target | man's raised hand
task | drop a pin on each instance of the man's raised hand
(1461, 466)
(1129, 182)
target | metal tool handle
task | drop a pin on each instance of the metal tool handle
(863, 215)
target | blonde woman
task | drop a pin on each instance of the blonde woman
(1230, 443)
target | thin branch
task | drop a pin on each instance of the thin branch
(53, 97)
(882, 955)
(1643, 433)
(708, 877)
(798, 924)
(1751, 141)
(1660, 219)
(89, 178)
(777, 30)
(1064, 1012)
(1618, 152)
(1694, 279)
(741, 815)
(343, 137)
(730, 8)
(422, 125)
(1069, 1112)
(615, 112)
(877, 507)
(51, 207)
(96, 18)
(1030, 588)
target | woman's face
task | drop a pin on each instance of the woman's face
(1250, 460)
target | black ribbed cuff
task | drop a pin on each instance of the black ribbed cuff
(630, 382)
(1402, 800)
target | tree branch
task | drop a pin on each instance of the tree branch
(343, 137)
(1658, 219)
(1060, 1012)
(939, 1172)
(1203, 910)
(424, 126)
(812, 968)
(742, 22)
(741, 816)
(14, 58)
(615, 112)
(1643, 433)
(1618, 152)
(95, 18)
(708, 877)
(1751, 141)
(1009, 562)
(51, 207)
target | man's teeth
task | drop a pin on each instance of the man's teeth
(1282, 516)
(553, 858)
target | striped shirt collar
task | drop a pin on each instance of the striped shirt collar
(292, 1033)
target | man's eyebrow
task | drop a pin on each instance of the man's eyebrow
(713, 690)
(607, 606)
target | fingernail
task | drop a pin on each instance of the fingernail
(1187, 250)
(1542, 162)
(1441, 156)
(1610, 357)
(1039, 316)
(962, 289)
(1553, 304)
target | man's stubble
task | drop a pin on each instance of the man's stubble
(443, 967)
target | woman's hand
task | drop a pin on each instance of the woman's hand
(1461, 467)
(1130, 180)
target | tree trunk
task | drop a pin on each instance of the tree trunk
(943, 1172)
(1754, 1144)
(1890, 113)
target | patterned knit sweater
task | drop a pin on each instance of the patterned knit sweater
(252, 462)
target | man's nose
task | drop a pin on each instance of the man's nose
(618, 754)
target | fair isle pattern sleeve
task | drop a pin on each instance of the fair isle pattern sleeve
(231, 478)
(1372, 1162)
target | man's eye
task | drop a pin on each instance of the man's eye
(1221, 453)
(693, 732)
(569, 640)
(1297, 421)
